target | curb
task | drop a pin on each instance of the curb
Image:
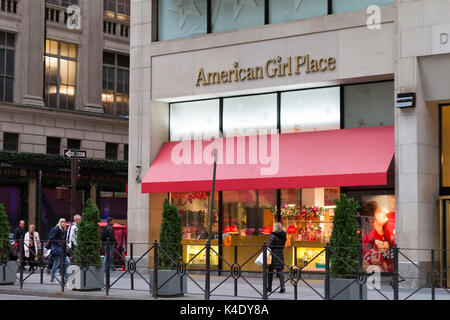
(65, 295)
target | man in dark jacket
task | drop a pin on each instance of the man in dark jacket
(108, 237)
(19, 234)
(276, 244)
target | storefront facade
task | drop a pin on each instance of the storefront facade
(318, 78)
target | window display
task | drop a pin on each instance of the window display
(196, 255)
(194, 210)
(378, 231)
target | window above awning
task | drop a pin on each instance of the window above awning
(336, 158)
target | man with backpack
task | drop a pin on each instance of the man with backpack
(108, 237)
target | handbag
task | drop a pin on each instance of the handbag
(260, 260)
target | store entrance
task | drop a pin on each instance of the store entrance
(445, 239)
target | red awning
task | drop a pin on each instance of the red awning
(336, 158)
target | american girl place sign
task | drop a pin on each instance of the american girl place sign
(273, 68)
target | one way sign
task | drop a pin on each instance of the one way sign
(68, 153)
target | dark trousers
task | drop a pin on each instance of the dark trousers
(31, 257)
(280, 274)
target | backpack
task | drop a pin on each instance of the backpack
(104, 234)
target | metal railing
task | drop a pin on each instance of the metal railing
(237, 276)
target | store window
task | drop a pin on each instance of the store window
(229, 15)
(194, 208)
(287, 10)
(7, 65)
(112, 150)
(194, 120)
(246, 115)
(10, 142)
(307, 215)
(311, 110)
(114, 205)
(74, 144)
(445, 147)
(248, 212)
(60, 74)
(179, 19)
(11, 198)
(53, 145)
(116, 84)
(117, 9)
(340, 6)
(369, 105)
(377, 222)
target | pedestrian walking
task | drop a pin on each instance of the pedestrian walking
(57, 236)
(31, 246)
(72, 234)
(107, 236)
(277, 242)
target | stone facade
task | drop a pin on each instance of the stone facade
(407, 48)
(27, 115)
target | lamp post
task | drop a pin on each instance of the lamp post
(211, 213)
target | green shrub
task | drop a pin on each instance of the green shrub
(88, 239)
(5, 229)
(170, 237)
(344, 242)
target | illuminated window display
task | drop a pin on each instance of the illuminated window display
(194, 210)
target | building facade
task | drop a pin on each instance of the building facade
(312, 71)
(64, 85)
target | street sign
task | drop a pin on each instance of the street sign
(68, 153)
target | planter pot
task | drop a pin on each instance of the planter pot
(91, 280)
(350, 293)
(177, 286)
(8, 273)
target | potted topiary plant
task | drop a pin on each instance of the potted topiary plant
(7, 268)
(169, 254)
(345, 248)
(87, 253)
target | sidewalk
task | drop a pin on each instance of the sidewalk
(121, 290)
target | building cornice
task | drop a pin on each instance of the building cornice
(62, 114)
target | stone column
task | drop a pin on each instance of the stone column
(91, 54)
(417, 143)
(30, 48)
(93, 193)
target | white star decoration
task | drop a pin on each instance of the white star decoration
(297, 4)
(185, 8)
(239, 4)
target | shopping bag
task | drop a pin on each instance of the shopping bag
(260, 260)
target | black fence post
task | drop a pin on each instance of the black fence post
(155, 269)
(21, 263)
(131, 273)
(327, 272)
(108, 270)
(5, 265)
(208, 271)
(41, 262)
(235, 279)
(433, 285)
(264, 271)
(395, 272)
(62, 265)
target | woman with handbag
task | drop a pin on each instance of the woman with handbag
(277, 242)
(31, 246)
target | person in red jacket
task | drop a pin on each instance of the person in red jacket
(377, 242)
